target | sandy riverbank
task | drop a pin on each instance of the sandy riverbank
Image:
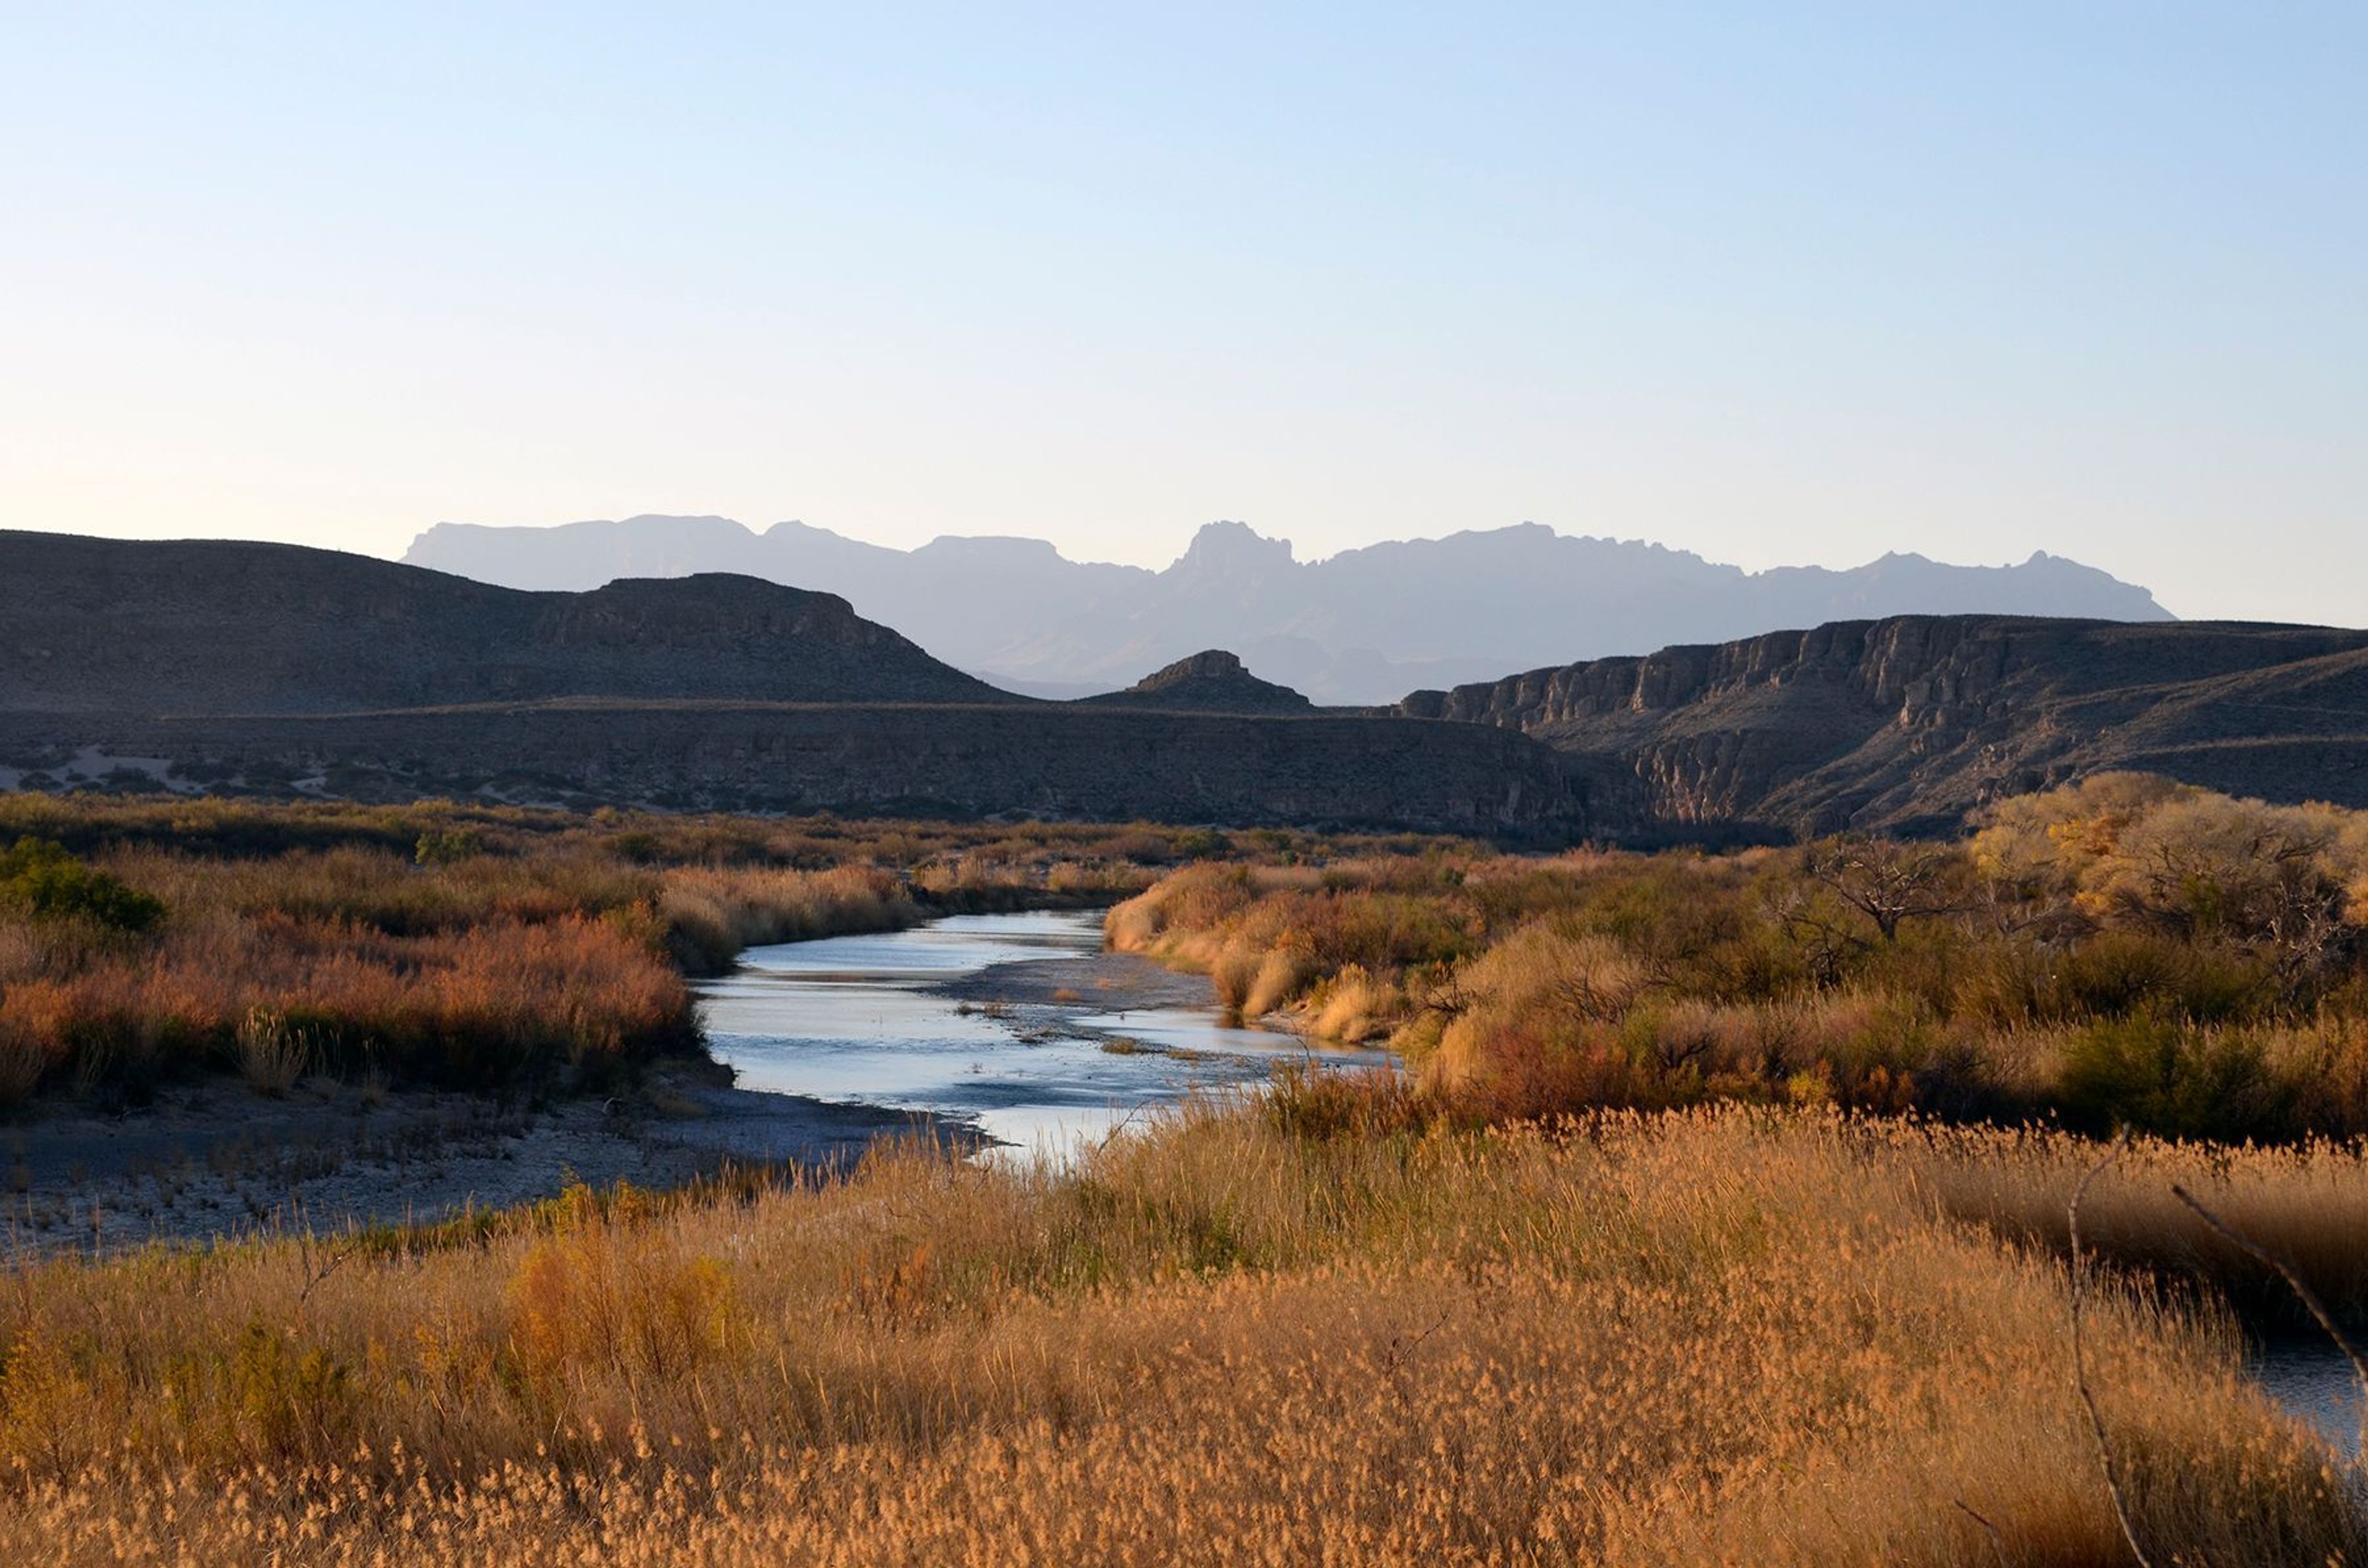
(215, 1160)
(1106, 982)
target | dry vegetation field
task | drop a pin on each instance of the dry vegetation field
(1722, 1218)
(463, 947)
(2126, 954)
(1729, 1334)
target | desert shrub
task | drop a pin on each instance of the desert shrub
(1232, 975)
(1302, 1103)
(587, 1300)
(638, 847)
(1201, 844)
(40, 880)
(2155, 1075)
(2280, 882)
(1355, 1005)
(709, 915)
(272, 1052)
(1971, 979)
(447, 846)
(2118, 974)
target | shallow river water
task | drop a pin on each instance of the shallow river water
(2313, 1380)
(858, 1020)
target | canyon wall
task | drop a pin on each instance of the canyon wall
(1915, 720)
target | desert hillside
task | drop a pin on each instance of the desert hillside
(224, 626)
(275, 670)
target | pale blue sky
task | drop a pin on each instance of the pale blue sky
(1776, 283)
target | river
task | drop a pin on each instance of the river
(2312, 1379)
(873, 1020)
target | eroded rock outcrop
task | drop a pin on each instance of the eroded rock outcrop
(1211, 682)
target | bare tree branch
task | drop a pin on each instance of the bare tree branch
(2309, 1297)
(2080, 1369)
(1887, 881)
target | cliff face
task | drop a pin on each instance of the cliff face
(1914, 720)
(895, 759)
(286, 670)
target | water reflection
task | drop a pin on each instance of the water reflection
(854, 1020)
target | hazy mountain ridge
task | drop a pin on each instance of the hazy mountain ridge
(1364, 626)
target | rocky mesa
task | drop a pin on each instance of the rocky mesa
(227, 627)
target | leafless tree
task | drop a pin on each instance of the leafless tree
(1888, 882)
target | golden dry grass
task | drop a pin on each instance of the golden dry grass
(1713, 1337)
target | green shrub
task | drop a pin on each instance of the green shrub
(1202, 844)
(43, 881)
(2118, 974)
(2157, 1075)
(447, 846)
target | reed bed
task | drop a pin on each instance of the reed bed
(1711, 1336)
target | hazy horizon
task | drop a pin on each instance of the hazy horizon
(1777, 290)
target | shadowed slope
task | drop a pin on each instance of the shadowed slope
(275, 670)
(1914, 720)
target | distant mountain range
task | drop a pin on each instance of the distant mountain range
(275, 670)
(1364, 626)
(278, 670)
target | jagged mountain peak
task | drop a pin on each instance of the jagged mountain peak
(1233, 550)
(1361, 626)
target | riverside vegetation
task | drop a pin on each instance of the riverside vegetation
(1721, 1218)
(460, 946)
(2125, 954)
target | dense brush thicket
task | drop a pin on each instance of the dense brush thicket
(2126, 953)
